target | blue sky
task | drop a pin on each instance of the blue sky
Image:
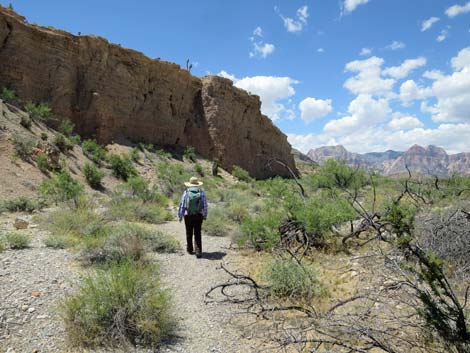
(369, 74)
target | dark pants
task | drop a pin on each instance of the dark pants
(193, 225)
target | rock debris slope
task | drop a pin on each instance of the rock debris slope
(118, 94)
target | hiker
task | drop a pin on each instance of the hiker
(193, 208)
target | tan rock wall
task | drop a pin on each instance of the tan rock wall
(117, 94)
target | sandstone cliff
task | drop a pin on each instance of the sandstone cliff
(116, 94)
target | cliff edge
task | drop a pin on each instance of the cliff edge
(117, 94)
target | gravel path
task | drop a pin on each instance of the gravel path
(34, 280)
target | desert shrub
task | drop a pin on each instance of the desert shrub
(241, 174)
(26, 121)
(93, 151)
(63, 143)
(402, 216)
(24, 146)
(17, 240)
(123, 303)
(217, 223)
(43, 163)
(22, 204)
(190, 153)
(198, 169)
(237, 212)
(288, 279)
(8, 95)
(40, 111)
(56, 241)
(44, 136)
(138, 187)
(66, 127)
(122, 167)
(135, 210)
(62, 187)
(93, 175)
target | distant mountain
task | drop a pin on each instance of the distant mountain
(432, 160)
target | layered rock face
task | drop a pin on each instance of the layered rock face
(117, 94)
(432, 160)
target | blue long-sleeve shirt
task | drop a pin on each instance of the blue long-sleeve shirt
(182, 208)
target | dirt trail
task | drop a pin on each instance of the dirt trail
(29, 322)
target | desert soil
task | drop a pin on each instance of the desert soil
(33, 282)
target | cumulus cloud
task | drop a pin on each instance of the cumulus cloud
(368, 79)
(364, 111)
(404, 122)
(260, 49)
(427, 24)
(296, 24)
(395, 45)
(458, 9)
(350, 5)
(405, 68)
(365, 52)
(452, 92)
(311, 108)
(410, 91)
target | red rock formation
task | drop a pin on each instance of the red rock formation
(116, 94)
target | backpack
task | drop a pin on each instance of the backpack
(194, 201)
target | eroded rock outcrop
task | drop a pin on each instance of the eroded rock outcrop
(116, 94)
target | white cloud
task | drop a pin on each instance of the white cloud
(410, 91)
(427, 24)
(311, 109)
(404, 122)
(296, 25)
(260, 49)
(368, 79)
(443, 35)
(258, 32)
(350, 5)
(271, 90)
(405, 68)
(458, 9)
(395, 45)
(452, 92)
(365, 52)
(225, 74)
(364, 110)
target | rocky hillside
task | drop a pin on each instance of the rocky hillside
(117, 94)
(432, 160)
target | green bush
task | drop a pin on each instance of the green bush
(62, 187)
(120, 304)
(63, 143)
(43, 163)
(66, 127)
(135, 210)
(217, 223)
(56, 241)
(122, 167)
(39, 111)
(190, 153)
(23, 146)
(17, 240)
(241, 174)
(288, 279)
(26, 121)
(8, 95)
(94, 151)
(93, 175)
(22, 204)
